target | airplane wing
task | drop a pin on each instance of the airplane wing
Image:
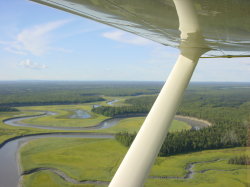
(225, 24)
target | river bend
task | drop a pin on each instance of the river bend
(10, 171)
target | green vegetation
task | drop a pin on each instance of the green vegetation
(226, 103)
(47, 99)
(241, 160)
(219, 103)
(7, 132)
(49, 179)
(98, 159)
(62, 118)
(81, 159)
(226, 106)
(7, 109)
(120, 111)
(32, 93)
(213, 137)
(133, 124)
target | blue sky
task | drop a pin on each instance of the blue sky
(42, 43)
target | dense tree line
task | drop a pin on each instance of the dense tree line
(18, 93)
(227, 107)
(118, 111)
(193, 108)
(8, 109)
(125, 138)
(217, 105)
(138, 105)
(51, 100)
(144, 101)
(213, 137)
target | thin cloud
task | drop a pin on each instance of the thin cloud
(32, 65)
(34, 40)
(125, 37)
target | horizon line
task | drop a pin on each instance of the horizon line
(34, 80)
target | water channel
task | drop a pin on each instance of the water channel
(16, 122)
(80, 114)
(10, 171)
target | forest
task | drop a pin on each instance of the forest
(8, 109)
(121, 111)
(220, 147)
(217, 104)
(29, 93)
(213, 137)
(227, 107)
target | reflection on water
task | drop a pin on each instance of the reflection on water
(112, 102)
(80, 114)
(109, 123)
(17, 122)
(96, 106)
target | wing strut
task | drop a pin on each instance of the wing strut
(136, 165)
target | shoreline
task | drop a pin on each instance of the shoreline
(19, 164)
(17, 142)
(191, 121)
(187, 119)
(195, 119)
(53, 133)
(97, 126)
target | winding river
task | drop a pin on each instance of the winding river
(16, 122)
(10, 172)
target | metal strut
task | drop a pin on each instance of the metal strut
(136, 165)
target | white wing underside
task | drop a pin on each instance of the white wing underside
(225, 24)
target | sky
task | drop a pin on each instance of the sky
(41, 43)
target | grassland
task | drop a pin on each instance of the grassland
(92, 159)
(97, 159)
(133, 124)
(79, 153)
(61, 119)
(49, 179)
